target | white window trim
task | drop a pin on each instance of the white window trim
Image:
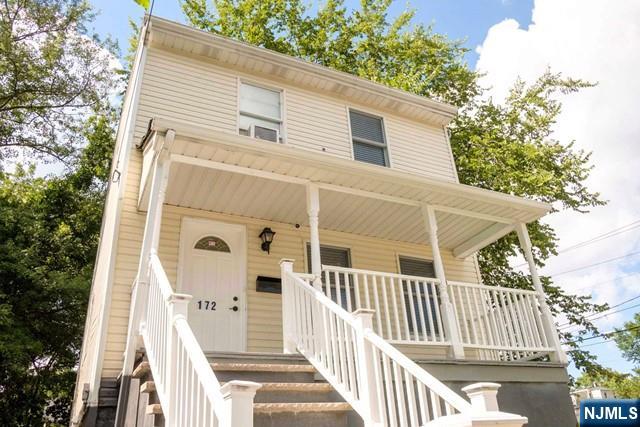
(265, 85)
(386, 145)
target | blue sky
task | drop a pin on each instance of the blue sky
(521, 38)
(458, 19)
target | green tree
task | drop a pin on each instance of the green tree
(627, 339)
(53, 74)
(625, 386)
(49, 230)
(504, 146)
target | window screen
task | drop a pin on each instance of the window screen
(259, 107)
(369, 144)
(429, 301)
(337, 257)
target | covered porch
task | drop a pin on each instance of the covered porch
(229, 174)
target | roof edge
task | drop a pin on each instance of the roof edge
(445, 110)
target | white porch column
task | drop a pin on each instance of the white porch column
(448, 313)
(548, 323)
(313, 210)
(150, 239)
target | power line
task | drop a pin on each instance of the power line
(596, 343)
(600, 317)
(607, 281)
(595, 264)
(611, 233)
(603, 236)
(614, 332)
(604, 313)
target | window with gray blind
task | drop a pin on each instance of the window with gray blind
(421, 268)
(369, 143)
(337, 257)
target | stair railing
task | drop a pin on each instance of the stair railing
(384, 386)
(187, 387)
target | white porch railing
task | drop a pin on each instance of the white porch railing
(406, 307)
(500, 323)
(383, 385)
(189, 392)
(503, 323)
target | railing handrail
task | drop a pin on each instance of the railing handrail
(201, 365)
(421, 374)
(170, 311)
(380, 274)
(491, 287)
(163, 281)
(323, 299)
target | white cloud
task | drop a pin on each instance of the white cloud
(597, 41)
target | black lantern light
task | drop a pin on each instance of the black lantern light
(267, 237)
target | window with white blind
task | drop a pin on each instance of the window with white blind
(260, 112)
(337, 257)
(369, 143)
(421, 268)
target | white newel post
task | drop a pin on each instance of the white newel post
(238, 400)
(178, 310)
(288, 339)
(313, 210)
(150, 238)
(484, 402)
(367, 371)
(448, 312)
(548, 323)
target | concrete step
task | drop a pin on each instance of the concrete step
(148, 387)
(296, 393)
(314, 414)
(154, 409)
(141, 370)
(265, 372)
(255, 357)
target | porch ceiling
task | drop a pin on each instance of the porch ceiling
(237, 175)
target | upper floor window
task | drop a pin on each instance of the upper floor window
(367, 133)
(260, 112)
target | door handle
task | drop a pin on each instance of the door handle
(234, 308)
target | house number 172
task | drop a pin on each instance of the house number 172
(206, 305)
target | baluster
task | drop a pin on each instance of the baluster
(347, 285)
(403, 306)
(392, 399)
(411, 398)
(356, 285)
(394, 301)
(367, 299)
(471, 320)
(479, 315)
(376, 301)
(423, 324)
(431, 299)
(385, 302)
(397, 376)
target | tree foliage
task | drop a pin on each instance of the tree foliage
(52, 73)
(503, 146)
(628, 340)
(49, 230)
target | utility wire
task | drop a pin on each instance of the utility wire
(595, 264)
(600, 317)
(604, 313)
(596, 343)
(607, 281)
(603, 236)
(606, 334)
(611, 233)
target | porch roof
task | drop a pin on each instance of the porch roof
(239, 175)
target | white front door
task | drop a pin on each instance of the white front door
(212, 269)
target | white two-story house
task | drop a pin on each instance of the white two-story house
(286, 244)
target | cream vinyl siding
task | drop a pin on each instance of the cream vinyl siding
(186, 89)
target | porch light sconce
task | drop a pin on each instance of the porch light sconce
(267, 237)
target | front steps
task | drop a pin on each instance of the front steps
(292, 392)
